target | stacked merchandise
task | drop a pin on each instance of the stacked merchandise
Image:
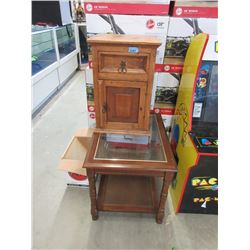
(164, 95)
(187, 19)
(142, 17)
(90, 97)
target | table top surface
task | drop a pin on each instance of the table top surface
(131, 147)
(132, 151)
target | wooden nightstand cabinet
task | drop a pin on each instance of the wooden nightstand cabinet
(123, 67)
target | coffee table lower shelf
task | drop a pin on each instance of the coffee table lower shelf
(123, 193)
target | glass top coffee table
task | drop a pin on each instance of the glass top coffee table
(128, 165)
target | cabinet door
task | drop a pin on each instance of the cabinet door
(122, 104)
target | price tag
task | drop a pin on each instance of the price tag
(133, 50)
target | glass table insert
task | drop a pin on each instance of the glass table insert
(132, 147)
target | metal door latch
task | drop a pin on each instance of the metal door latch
(104, 108)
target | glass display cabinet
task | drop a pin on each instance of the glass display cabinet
(54, 60)
(43, 50)
(66, 40)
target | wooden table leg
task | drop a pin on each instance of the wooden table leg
(92, 193)
(164, 194)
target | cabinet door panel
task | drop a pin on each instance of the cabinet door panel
(123, 104)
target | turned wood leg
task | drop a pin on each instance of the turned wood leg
(92, 194)
(164, 194)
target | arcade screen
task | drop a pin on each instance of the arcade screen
(205, 109)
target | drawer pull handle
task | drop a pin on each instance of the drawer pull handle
(122, 67)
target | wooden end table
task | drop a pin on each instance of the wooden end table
(128, 172)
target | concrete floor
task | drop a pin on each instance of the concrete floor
(61, 214)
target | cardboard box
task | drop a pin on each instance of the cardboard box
(130, 24)
(170, 65)
(137, 7)
(90, 98)
(207, 9)
(127, 24)
(186, 27)
(90, 105)
(90, 93)
(165, 91)
(152, 103)
(180, 33)
(89, 75)
(175, 64)
(73, 158)
(91, 119)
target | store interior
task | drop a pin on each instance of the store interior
(88, 56)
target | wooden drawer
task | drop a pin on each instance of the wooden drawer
(73, 158)
(123, 66)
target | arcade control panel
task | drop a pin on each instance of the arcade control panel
(205, 144)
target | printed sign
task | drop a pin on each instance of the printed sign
(144, 8)
(205, 183)
(197, 110)
(204, 200)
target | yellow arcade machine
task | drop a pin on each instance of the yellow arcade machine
(194, 134)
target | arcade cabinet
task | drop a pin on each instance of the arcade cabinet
(194, 134)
